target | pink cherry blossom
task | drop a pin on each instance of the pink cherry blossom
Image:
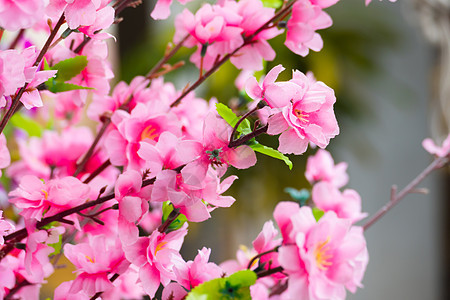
(322, 259)
(133, 204)
(189, 193)
(156, 256)
(96, 261)
(162, 9)
(166, 153)
(321, 167)
(142, 124)
(255, 15)
(432, 148)
(36, 261)
(37, 198)
(302, 110)
(215, 27)
(12, 76)
(346, 204)
(193, 273)
(5, 228)
(21, 14)
(214, 150)
(301, 28)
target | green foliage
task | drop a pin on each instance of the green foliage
(29, 125)
(272, 3)
(236, 286)
(317, 213)
(178, 222)
(230, 117)
(67, 69)
(57, 246)
(272, 153)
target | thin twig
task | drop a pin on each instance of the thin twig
(166, 58)
(396, 197)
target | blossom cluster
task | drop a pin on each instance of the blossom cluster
(117, 204)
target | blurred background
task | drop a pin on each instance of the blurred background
(388, 65)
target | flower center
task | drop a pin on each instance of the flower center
(149, 132)
(90, 259)
(302, 116)
(160, 246)
(214, 156)
(323, 256)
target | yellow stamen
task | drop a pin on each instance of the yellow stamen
(149, 133)
(90, 259)
(160, 246)
(322, 255)
(45, 194)
(301, 115)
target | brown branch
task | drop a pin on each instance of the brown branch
(395, 198)
(15, 103)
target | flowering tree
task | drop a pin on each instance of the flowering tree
(117, 203)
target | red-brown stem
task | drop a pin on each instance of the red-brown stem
(269, 272)
(17, 39)
(250, 263)
(172, 216)
(396, 197)
(166, 57)
(15, 102)
(247, 40)
(89, 153)
(245, 116)
(243, 139)
(100, 169)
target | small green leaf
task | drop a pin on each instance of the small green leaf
(69, 68)
(272, 153)
(243, 278)
(29, 125)
(301, 196)
(236, 286)
(230, 117)
(57, 246)
(58, 87)
(272, 3)
(178, 222)
(317, 213)
(50, 225)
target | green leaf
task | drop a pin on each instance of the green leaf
(272, 153)
(236, 286)
(58, 87)
(317, 213)
(57, 246)
(178, 222)
(69, 68)
(272, 3)
(29, 125)
(230, 117)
